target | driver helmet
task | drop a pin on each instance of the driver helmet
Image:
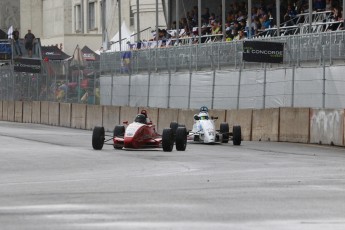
(140, 118)
(204, 109)
(203, 116)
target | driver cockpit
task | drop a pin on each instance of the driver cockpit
(140, 118)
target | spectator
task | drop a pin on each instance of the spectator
(29, 42)
(229, 36)
(240, 36)
(266, 22)
(336, 17)
(320, 5)
(126, 60)
(212, 18)
(205, 15)
(256, 25)
(291, 12)
(17, 48)
(216, 29)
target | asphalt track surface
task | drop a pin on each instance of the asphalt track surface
(51, 178)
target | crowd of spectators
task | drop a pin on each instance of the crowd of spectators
(236, 24)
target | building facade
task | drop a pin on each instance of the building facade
(9, 14)
(69, 23)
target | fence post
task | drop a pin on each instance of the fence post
(148, 90)
(239, 87)
(323, 79)
(264, 93)
(190, 88)
(293, 87)
(112, 89)
(213, 86)
(169, 84)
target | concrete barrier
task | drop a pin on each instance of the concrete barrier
(78, 116)
(18, 111)
(94, 116)
(152, 113)
(27, 112)
(10, 110)
(0, 110)
(327, 126)
(45, 112)
(128, 114)
(165, 116)
(265, 125)
(65, 114)
(186, 117)
(242, 117)
(54, 114)
(111, 117)
(294, 125)
(36, 112)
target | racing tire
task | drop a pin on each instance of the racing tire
(98, 138)
(119, 131)
(181, 139)
(167, 140)
(174, 125)
(237, 135)
(224, 130)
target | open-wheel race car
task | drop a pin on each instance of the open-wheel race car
(140, 134)
(204, 130)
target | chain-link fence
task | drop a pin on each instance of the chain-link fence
(299, 50)
(58, 81)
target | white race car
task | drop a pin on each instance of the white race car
(204, 130)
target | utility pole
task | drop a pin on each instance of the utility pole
(104, 29)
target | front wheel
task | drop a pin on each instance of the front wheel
(181, 139)
(167, 140)
(224, 130)
(98, 138)
(237, 135)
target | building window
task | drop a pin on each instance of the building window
(77, 18)
(92, 23)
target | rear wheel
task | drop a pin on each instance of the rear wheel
(181, 139)
(119, 131)
(98, 138)
(167, 140)
(237, 135)
(224, 130)
(174, 125)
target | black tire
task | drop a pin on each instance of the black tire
(167, 140)
(98, 138)
(181, 139)
(237, 135)
(224, 130)
(119, 131)
(174, 126)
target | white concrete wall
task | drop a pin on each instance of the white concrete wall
(9, 14)
(31, 17)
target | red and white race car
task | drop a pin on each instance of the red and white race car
(141, 134)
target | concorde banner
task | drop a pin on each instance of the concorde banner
(27, 65)
(259, 51)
